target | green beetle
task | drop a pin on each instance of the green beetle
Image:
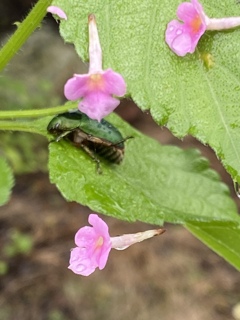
(96, 138)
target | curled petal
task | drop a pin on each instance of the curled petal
(85, 237)
(186, 12)
(76, 87)
(174, 28)
(98, 224)
(98, 105)
(114, 83)
(177, 39)
(81, 263)
(58, 11)
(197, 5)
(182, 45)
(102, 251)
(101, 254)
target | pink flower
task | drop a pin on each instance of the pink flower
(94, 245)
(58, 11)
(182, 38)
(98, 88)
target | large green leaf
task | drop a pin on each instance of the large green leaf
(222, 237)
(154, 182)
(6, 181)
(196, 94)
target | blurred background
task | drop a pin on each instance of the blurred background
(172, 277)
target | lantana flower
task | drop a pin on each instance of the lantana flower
(58, 11)
(182, 37)
(98, 88)
(94, 245)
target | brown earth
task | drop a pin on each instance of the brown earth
(172, 277)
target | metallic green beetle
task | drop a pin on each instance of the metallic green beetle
(96, 138)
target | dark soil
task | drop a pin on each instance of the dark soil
(172, 277)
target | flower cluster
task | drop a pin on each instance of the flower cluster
(182, 37)
(94, 245)
(98, 88)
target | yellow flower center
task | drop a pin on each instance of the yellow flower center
(196, 24)
(96, 81)
(99, 242)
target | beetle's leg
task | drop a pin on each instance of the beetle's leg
(92, 155)
(61, 136)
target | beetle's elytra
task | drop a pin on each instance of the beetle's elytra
(96, 138)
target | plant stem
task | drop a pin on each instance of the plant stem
(23, 31)
(35, 113)
(19, 126)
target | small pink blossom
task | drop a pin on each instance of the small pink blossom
(94, 245)
(98, 88)
(182, 37)
(58, 11)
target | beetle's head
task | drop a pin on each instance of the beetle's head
(54, 125)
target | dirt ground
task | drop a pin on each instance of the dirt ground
(171, 277)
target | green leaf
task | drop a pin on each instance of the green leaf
(197, 94)
(6, 181)
(154, 182)
(222, 237)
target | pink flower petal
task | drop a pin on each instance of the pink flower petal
(182, 45)
(174, 28)
(114, 83)
(98, 105)
(76, 87)
(85, 237)
(80, 263)
(103, 256)
(98, 224)
(179, 41)
(198, 7)
(101, 229)
(58, 11)
(186, 12)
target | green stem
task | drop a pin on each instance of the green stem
(24, 30)
(16, 126)
(20, 126)
(35, 113)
